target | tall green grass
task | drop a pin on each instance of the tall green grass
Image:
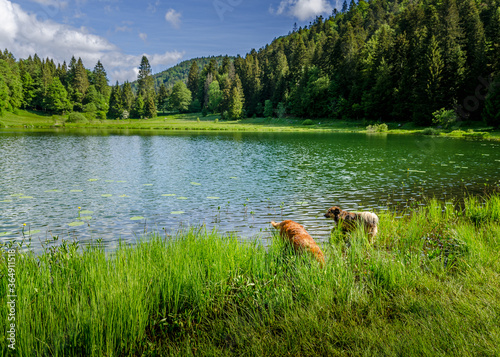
(428, 286)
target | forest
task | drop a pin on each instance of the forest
(378, 60)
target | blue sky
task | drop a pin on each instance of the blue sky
(119, 32)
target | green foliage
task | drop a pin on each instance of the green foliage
(138, 109)
(377, 128)
(444, 118)
(181, 71)
(56, 99)
(214, 97)
(268, 109)
(308, 122)
(195, 107)
(145, 80)
(115, 102)
(180, 99)
(150, 107)
(127, 96)
(236, 100)
(430, 131)
(77, 118)
(162, 98)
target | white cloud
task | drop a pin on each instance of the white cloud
(174, 18)
(303, 9)
(24, 34)
(143, 36)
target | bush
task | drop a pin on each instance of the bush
(444, 117)
(204, 112)
(377, 128)
(77, 118)
(308, 122)
(430, 131)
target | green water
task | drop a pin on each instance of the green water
(128, 184)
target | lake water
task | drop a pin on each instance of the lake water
(126, 183)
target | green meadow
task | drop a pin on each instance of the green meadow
(428, 286)
(196, 122)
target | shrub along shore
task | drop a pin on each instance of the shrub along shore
(428, 286)
(197, 122)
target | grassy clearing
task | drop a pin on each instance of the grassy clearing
(429, 286)
(196, 122)
(26, 119)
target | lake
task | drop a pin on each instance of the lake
(128, 183)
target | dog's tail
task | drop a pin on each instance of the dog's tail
(275, 225)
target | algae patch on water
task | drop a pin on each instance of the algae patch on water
(76, 224)
(136, 218)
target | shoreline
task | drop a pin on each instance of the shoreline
(194, 122)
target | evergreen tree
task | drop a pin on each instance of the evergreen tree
(115, 102)
(138, 109)
(9, 70)
(57, 100)
(150, 107)
(4, 95)
(344, 7)
(146, 89)
(100, 79)
(28, 91)
(236, 100)
(145, 81)
(162, 98)
(127, 96)
(214, 97)
(80, 84)
(193, 79)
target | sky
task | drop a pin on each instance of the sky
(120, 32)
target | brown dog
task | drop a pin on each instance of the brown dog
(350, 220)
(299, 238)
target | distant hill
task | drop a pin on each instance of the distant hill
(180, 71)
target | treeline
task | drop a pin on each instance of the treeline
(380, 60)
(39, 84)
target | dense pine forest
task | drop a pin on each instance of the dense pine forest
(380, 60)
(180, 72)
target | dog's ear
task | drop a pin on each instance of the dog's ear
(336, 210)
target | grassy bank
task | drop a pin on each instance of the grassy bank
(196, 122)
(429, 286)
